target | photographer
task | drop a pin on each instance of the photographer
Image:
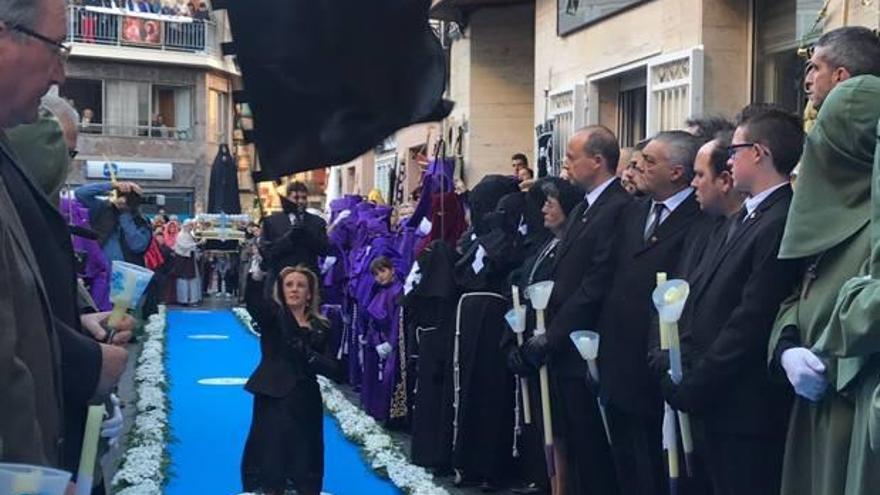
(124, 233)
(292, 237)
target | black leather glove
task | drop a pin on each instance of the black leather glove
(676, 395)
(517, 364)
(536, 349)
(323, 365)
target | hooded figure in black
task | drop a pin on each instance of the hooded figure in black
(484, 399)
(223, 192)
(540, 245)
(430, 295)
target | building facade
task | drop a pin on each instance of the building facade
(635, 66)
(154, 94)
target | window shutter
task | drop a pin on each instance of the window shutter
(675, 89)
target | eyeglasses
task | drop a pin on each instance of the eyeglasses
(72, 153)
(62, 49)
(733, 149)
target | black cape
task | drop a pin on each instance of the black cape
(223, 192)
(430, 307)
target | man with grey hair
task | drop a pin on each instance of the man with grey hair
(30, 354)
(652, 236)
(40, 327)
(839, 55)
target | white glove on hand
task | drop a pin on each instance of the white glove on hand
(806, 372)
(111, 428)
(384, 350)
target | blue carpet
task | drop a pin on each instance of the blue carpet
(210, 422)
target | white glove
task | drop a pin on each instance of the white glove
(384, 350)
(111, 428)
(806, 372)
(425, 226)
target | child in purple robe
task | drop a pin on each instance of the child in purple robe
(383, 391)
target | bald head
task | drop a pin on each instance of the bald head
(591, 156)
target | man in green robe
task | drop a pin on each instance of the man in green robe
(828, 227)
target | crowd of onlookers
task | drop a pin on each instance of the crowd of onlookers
(92, 23)
(183, 8)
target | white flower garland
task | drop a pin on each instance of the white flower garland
(142, 470)
(384, 456)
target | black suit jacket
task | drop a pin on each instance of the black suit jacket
(81, 358)
(727, 322)
(289, 354)
(285, 245)
(625, 323)
(584, 267)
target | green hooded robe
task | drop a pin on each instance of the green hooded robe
(829, 226)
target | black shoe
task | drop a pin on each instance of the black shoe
(529, 489)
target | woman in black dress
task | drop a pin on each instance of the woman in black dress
(285, 445)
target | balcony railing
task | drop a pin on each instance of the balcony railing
(147, 131)
(105, 26)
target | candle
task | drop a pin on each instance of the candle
(89, 450)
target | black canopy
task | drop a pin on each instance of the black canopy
(327, 80)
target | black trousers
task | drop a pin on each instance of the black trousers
(744, 464)
(589, 466)
(637, 446)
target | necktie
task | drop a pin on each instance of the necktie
(656, 215)
(735, 223)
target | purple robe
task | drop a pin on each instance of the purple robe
(96, 272)
(382, 376)
(438, 178)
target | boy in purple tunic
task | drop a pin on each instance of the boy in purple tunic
(383, 391)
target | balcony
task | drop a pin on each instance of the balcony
(99, 32)
(152, 130)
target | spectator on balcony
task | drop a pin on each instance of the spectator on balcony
(168, 8)
(202, 14)
(87, 122)
(158, 127)
(138, 6)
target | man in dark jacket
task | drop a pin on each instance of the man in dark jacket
(734, 300)
(293, 236)
(584, 267)
(653, 235)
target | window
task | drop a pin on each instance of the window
(675, 89)
(137, 108)
(218, 116)
(575, 14)
(171, 112)
(632, 115)
(780, 27)
(87, 97)
(382, 178)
